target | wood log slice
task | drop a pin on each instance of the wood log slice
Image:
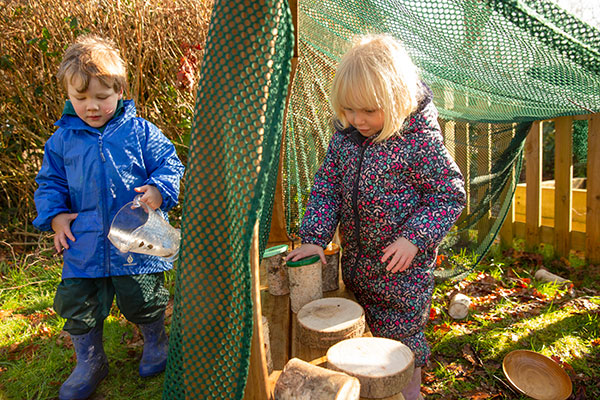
(303, 381)
(324, 322)
(383, 366)
(459, 306)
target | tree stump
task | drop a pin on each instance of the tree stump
(383, 366)
(324, 322)
(303, 381)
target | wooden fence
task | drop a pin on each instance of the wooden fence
(558, 214)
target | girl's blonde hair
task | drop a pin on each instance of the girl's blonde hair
(92, 56)
(376, 73)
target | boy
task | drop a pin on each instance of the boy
(100, 155)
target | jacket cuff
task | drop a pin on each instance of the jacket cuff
(422, 241)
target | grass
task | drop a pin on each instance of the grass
(510, 310)
(36, 356)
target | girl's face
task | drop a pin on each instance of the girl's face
(368, 122)
(96, 105)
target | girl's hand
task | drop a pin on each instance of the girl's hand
(151, 196)
(61, 225)
(306, 250)
(403, 252)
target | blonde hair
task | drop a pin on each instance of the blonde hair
(92, 56)
(376, 73)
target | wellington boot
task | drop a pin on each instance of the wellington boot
(156, 348)
(412, 391)
(91, 368)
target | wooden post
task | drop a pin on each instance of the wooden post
(278, 232)
(484, 165)
(563, 193)
(257, 383)
(461, 132)
(533, 173)
(592, 223)
(507, 232)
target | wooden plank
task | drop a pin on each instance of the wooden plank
(277, 311)
(449, 139)
(533, 177)
(257, 384)
(507, 231)
(563, 174)
(593, 191)
(461, 134)
(484, 165)
(578, 209)
(578, 239)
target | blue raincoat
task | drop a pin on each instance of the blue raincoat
(93, 173)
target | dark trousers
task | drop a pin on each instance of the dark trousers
(86, 302)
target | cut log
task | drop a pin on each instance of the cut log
(459, 306)
(305, 280)
(331, 269)
(383, 366)
(546, 276)
(324, 322)
(274, 264)
(303, 381)
(267, 341)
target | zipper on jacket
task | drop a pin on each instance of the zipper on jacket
(355, 209)
(104, 206)
(101, 148)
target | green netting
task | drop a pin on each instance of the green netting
(231, 179)
(494, 67)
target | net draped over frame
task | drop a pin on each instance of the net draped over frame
(233, 160)
(494, 67)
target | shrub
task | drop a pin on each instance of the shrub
(161, 41)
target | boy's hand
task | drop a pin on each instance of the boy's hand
(151, 196)
(403, 252)
(306, 250)
(61, 225)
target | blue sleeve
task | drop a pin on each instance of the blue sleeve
(165, 170)
(322, 210)
(52, 195)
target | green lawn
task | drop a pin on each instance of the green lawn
(509, 311)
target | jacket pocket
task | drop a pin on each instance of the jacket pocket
(87, 229)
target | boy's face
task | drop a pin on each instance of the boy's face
(96, 105)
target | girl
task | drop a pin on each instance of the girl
(392, 186)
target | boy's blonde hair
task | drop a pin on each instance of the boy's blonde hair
(92, 56)
(376, 73)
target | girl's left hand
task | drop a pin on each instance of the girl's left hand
(402, 252)
(151, 196)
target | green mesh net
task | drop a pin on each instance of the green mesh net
(231, 178)
(494, 67)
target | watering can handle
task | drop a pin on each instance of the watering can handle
(137, 201)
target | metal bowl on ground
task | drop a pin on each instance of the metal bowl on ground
(536, 375)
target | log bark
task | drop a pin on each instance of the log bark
(324, 322)
(383, 366)
(303, 381)
(306, 284)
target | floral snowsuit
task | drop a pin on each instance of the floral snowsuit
(408, 186)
